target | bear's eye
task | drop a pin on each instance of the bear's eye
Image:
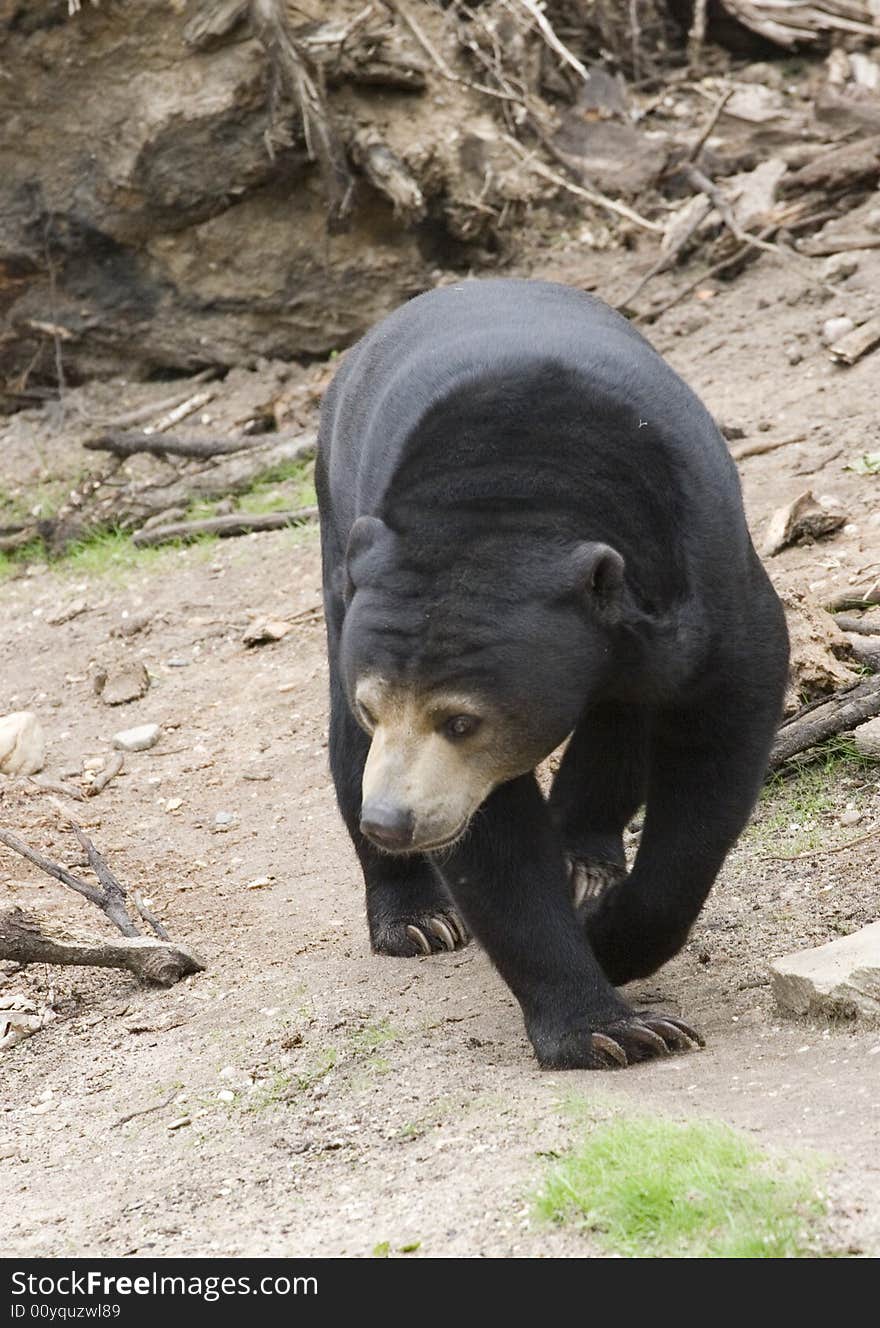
(460, 726)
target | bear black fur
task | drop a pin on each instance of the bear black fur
(559, 528)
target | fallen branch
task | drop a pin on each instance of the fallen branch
(764, 445)
(553, 41)
(820, 852)
(861, 626)
(819, 721)
(753, 242)
(236, 523)
(113, 768)
(591, 195)
(23, 939)
(132, 442)
(146, 1111)
(111, 904)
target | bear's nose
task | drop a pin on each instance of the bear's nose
(388, 825)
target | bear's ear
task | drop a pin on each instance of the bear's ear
(598, 574)
(365, 534)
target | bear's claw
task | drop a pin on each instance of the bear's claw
(436, 933)
(590, 880)
(644, 1037)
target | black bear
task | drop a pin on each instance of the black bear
(532, 531)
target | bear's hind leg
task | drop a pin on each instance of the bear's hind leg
(599, 786)
(408, 910)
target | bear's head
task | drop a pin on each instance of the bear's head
(467, 664)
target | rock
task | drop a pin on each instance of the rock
(122, 683)
(259, 883)
(224, 818)
(850, 817)
(756, 192)
(818, 652)
(837, 267)
(264, 630)
(805, 518)
(835, 328)
(867, 739)
(22, 743)
(139, 739)
(838, 980)
(794, 354)
(132, 625)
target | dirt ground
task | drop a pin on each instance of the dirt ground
(369, 1100)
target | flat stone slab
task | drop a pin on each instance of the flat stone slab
(840, 980)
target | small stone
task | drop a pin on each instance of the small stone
(838, 980)
(122, 683)
(7, 1151)
(132, 625)
(850, 817)
(258, 883)
(22, 743)
(178, 663)
(224, 818)
(835, 328)
(265, 630)
(173, 804)
(794, 354)
(225, 1095)
(179, 1123)
(837, 267)
(139, 739)
(867, 739)
(805, 518)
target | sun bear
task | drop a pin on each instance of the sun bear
(533, 534)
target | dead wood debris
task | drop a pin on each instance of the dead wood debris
(788, 23)
(26, 939)
(236, 523)
(132, 443)
(826, 718)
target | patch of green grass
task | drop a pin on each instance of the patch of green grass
(372, 1036)
(112, 553)
(659, 1189)
(275, 1090)
(43, 501)
(867, 464)
(796, 803)
(12, 563)
(288, 485)
(106, 553)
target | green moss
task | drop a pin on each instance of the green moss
(656, 1188)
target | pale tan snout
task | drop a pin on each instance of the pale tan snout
(421, 786)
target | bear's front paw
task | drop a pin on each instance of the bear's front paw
(421, 935)
(639, 1036)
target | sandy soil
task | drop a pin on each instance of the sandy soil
(373, 1099)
